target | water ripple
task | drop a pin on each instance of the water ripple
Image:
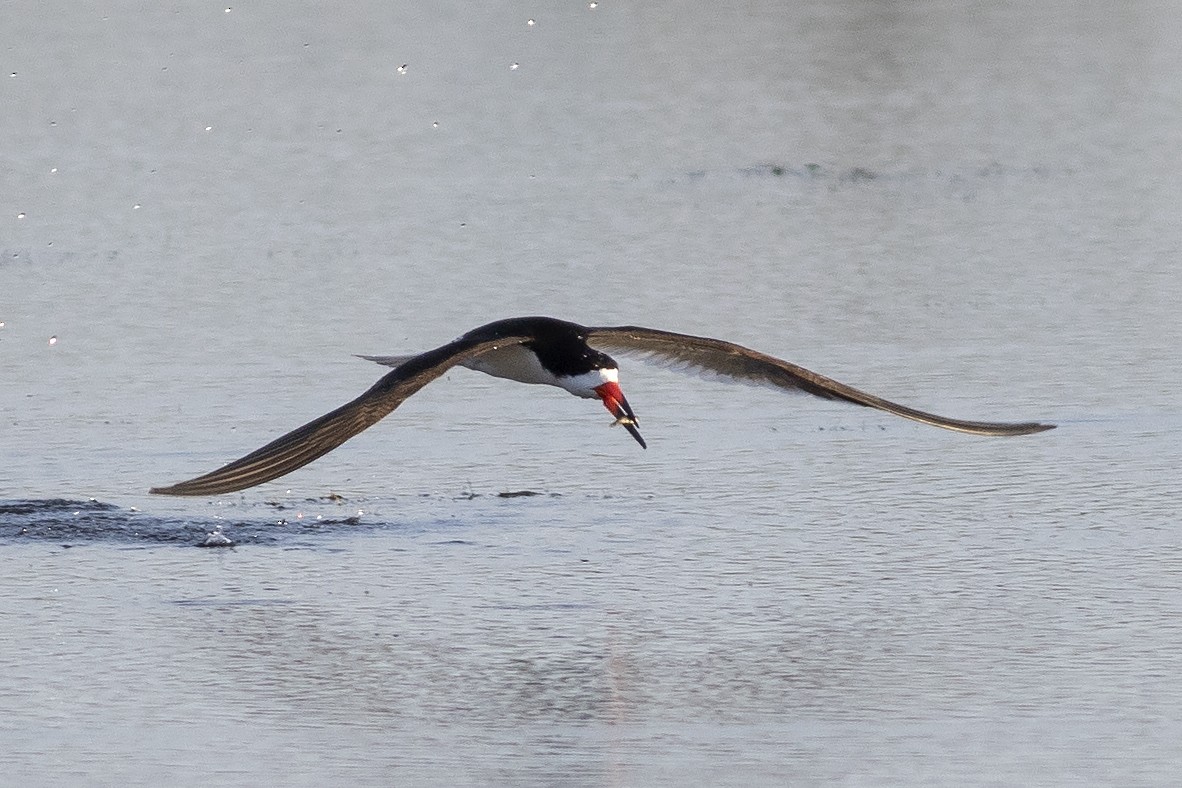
(91, 521)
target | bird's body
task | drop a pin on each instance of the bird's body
(543, 350)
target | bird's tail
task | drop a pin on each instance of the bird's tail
(389, 361)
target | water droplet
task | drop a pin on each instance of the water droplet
(53, 169)
(216, 538)
(135, 207)
(529, 22)
(20, 215)
(402, 69)
(593, 4)
(513, 67)
(53, 340)
(228, 10)
(435, 125)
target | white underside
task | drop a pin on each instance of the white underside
(515, 362)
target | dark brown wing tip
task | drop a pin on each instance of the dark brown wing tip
(994, 429)
(1021, 428)
(200, 486)
(175, 489)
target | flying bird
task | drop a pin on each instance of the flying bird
(555, 353)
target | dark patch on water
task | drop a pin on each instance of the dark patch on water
(857, 174)
(69, 523)
(471, 496)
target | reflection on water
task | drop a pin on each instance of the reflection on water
(629, 647)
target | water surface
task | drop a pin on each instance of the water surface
(972, 210)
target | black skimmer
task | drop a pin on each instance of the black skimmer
(556, 353)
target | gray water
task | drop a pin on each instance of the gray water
(971, 208)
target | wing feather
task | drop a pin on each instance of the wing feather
(320, 436)
(687, 353)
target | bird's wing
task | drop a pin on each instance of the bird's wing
(320, 436)
(702, 355)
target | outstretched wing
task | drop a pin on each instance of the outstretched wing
(685, 353)
(320, 436)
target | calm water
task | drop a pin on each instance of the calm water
(971, 209)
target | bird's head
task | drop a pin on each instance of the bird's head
(604, 383)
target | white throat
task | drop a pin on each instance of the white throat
(584, 385)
